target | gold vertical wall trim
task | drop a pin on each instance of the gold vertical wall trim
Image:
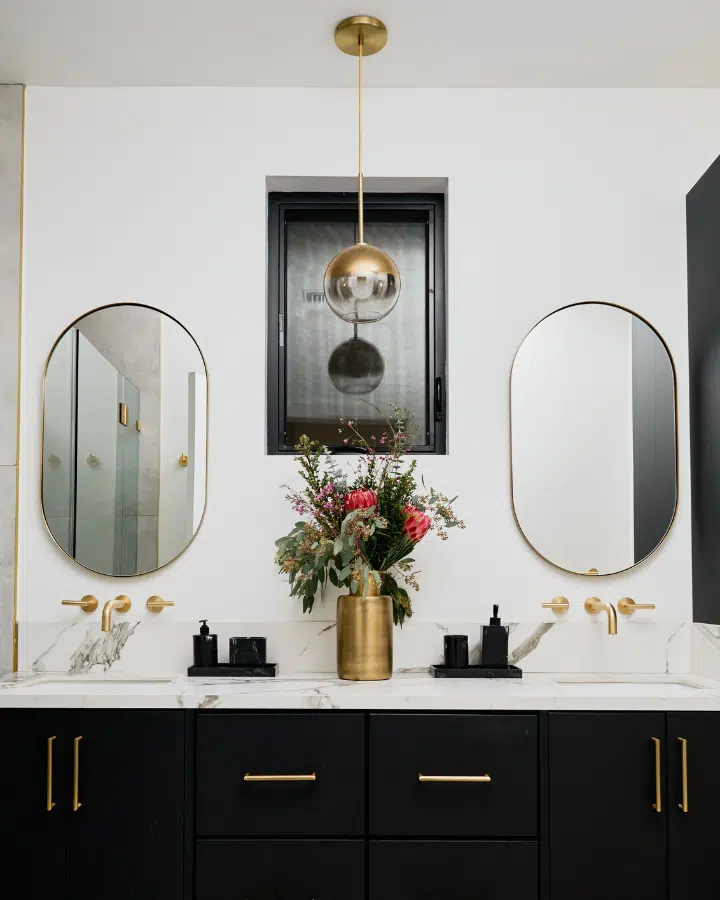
(21, 249)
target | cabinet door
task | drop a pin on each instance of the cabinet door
(454, 870)
(607, 839)
(694, 807)
(280, 870)
(126, 839)
(33, 777)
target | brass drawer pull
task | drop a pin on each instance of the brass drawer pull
(684, 753)
(250, 777)
(76, 774)
(49, 804)
(657, 805)
(457, 778)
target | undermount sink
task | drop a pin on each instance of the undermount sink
(50, 682)
(656, 685)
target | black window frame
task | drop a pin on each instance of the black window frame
(298, 206)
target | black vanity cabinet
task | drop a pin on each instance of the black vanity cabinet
(35, 791)
(127, 837)
(93, 802)
(607, 838)
(693, 808)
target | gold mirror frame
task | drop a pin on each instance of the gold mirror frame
(42, 437)
(591, 573)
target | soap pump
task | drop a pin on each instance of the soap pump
(495, 642)
(205, 651)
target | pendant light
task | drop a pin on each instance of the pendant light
(362, 283)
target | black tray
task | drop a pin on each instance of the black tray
(266, 670)
(476, 672)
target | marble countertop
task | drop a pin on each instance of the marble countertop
(326, 691)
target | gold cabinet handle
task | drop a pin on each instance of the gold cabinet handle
(88, 603)
(657, 805)
(249, 777)
(559, 605)
(156, 604)
(455, 778)
(76, 774)
(627, 606)
(684, 757)
(49, 803)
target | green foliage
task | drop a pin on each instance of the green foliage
(367, 543)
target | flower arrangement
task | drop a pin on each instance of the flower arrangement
(364, 525)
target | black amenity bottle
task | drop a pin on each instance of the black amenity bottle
(495, 642)
(205, 651)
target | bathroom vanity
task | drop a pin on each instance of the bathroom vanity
(545, 789)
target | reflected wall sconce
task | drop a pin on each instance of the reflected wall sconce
(362, 283)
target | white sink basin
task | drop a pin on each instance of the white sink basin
(82, 683)
(649, 686)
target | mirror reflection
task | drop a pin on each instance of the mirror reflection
(124, 440)
(594, 476)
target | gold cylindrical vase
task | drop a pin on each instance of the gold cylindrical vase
(364, 635)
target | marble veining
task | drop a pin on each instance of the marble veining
(102, 650)
(529, 644)
(309, 646)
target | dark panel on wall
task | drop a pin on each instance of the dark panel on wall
(703, 238)
(653, 387)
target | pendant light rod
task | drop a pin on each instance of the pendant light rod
(361, 211)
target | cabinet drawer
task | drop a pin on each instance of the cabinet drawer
(280, 870)
(405, 747)
(327, 746)
(453, 870)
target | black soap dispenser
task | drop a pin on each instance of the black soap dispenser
(495, 642)
(205, 652)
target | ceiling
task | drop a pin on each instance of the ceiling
(432, 43)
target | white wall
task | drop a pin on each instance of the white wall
(158, 196)
(572, 439)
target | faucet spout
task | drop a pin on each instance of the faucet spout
(120, 603)
(594, 605)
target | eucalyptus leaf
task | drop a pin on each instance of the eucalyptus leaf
(338, 545)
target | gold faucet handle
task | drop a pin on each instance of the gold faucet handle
(627, 606)
(559, 605)
(88, 603)
(156, 604)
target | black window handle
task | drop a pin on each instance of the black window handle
(438, 400)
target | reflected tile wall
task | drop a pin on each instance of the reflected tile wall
(11, 114)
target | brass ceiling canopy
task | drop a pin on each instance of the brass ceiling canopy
(362, 283)
(374, 34)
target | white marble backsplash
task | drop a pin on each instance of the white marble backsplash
(160, 646)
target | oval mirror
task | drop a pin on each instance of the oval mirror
(124, 452)
(593, 439)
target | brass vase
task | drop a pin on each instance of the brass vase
(364, 635)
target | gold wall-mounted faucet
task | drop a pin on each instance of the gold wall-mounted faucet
(88, 603)
(594, 605)
(120, 604)
(627, 606)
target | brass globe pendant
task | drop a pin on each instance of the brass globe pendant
(362, 283)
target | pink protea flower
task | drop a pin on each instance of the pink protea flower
(416, 523)
(360, 500)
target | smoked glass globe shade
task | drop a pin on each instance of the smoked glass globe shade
(362, 284)
(356, 367)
